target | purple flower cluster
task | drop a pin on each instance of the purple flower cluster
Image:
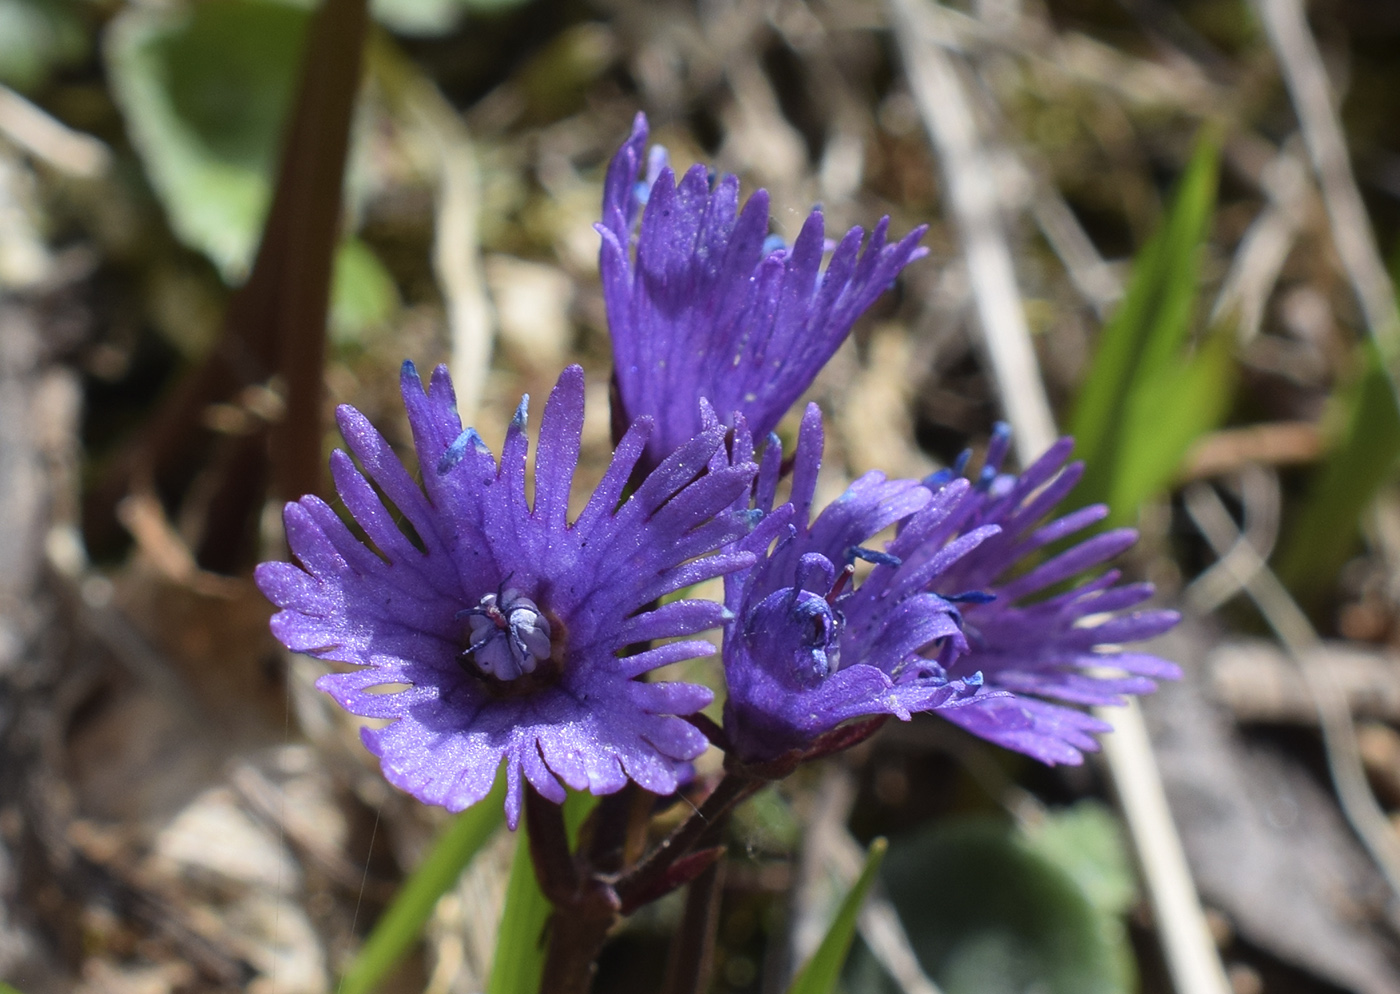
(485, 630)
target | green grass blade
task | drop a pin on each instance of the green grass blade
(1363, 435)
(1143, 341)
(820, 974)
(402, 923)
(1164, 415)
(1363, 456)
(519, 957)
(1175, 285)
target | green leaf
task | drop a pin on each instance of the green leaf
(1086, 841)
(205, 91)
(36, 37)
(519, 957)
(1144, 400)
(1365, 430)
(1164, 415)
(766, 822)
(822, 971)
(402, 923)
(989, 911)
(363, 294)
(7, 989)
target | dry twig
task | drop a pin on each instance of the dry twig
(1094, 278)
(1306, 78)
(1265, 247)
(51, 140)
(1259, 683)
(1273, 443)
(456, 239)
(972, 198)
(1263, 503)
(1253, 576)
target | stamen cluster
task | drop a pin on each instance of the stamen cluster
(509, 635)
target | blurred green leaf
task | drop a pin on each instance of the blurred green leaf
(1147, 398)
(37, 37)
(402, 923)
(823, 970)
(363, 294)
(1086, 841)
(556, 79)
(425, 18)
(988, 911)
(766, 822)
(1362, 456)
(1154, 316)
(1164, 415)
(205, 91)
(519, 958)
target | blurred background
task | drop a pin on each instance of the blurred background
(1182, 211)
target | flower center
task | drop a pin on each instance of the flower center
(796, 635)
(509, 637)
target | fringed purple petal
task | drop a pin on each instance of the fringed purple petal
(702, 310)
(664, 655)
(1054, 735)
(936, 616)
(1086, 555)
(557, 456)
(807, 462)
(671, 620)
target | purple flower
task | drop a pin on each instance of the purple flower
(708, 308)
(1063, 647)
(808, 649)
(944, 622)
(498, 626)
